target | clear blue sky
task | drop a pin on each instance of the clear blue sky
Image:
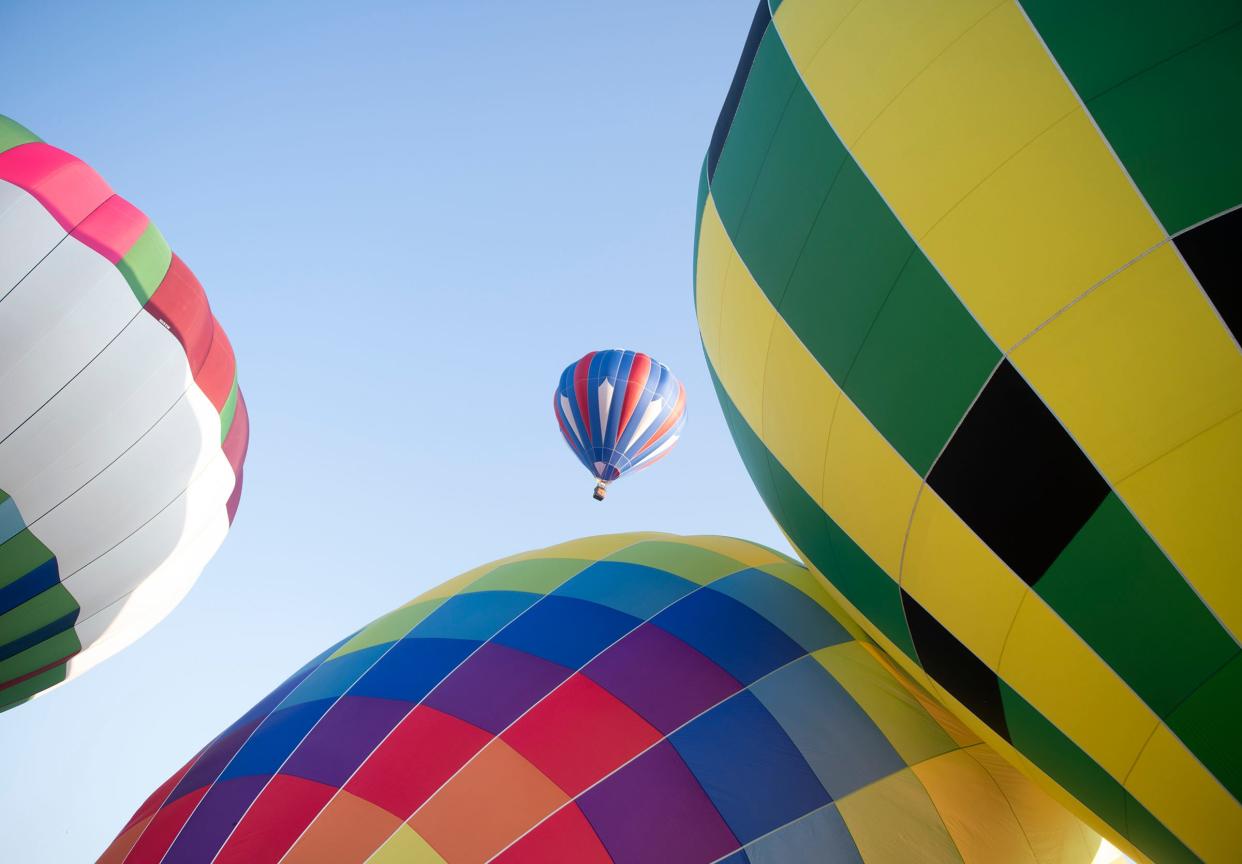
(409, 218)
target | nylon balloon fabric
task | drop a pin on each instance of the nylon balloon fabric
(619, 411)
(966, 281)
(631, 698)
(122, 428)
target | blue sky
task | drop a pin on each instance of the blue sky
(409, 217)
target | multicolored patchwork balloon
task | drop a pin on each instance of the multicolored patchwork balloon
(122, 429)
(619, 411)
(637, 698)
(967, 277)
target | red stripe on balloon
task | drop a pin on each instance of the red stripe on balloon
(580, 390)
(640, 371)
(67, 187)
(674, 415)
(112, 228)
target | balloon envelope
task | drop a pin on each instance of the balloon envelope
(619, 411)
(631, 698)
(122, 428)
(967, 281)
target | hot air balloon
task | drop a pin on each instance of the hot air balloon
(966, 278)
(122, 428)
(634, 698)
(619, 411)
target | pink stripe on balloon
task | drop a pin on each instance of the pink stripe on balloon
(62, 183)
(112, 228)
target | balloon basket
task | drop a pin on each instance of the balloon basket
(600, 491)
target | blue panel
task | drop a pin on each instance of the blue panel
(335, 676)
(821, 836)
(800, 617)
(740, 640)
(738, 857)
(275, 739)
(33, 582)
(412, 668)
(842, 744)
(631, 588)
(750, 769)
(566, 630)
(477, 615)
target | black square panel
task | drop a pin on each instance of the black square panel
(1214, 252)
(1015, 476)
(955, 668)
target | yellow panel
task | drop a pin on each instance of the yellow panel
(983, 99)
(1138, 366)
(893, 707)
(741, 551)
(1052, 668)
(1053, 833)
(1171, 783)
(1051, 223)
(893, 818)
(959, 580)
(1189, 500)
(686, 557)
(804, 27)
(868, 489)
(746, 321)
(977, 815)
(859, 64)
(798, 406)
(946, 719)
(716, 255)
(405, 847)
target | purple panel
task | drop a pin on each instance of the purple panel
(211, 763)
(653, 810)
(496, 685)
(661, 677)
(214, 819)
(344, 737)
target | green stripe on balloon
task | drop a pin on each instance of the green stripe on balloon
(145, 264)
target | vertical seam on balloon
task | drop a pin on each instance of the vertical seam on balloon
(445, 677)
(1125, 683)
(498, 736)
(969, 751)
(159, 807)
(828, 37)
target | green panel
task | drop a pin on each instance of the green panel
(1178, 129)
(1101, 44)
(538, 576)
(63, 644)
(1061, 759)
(229, 410)
(1209, 722)
(769, 86)
(14, 134)
(20, 554)
(828, 548)
(19, 693)
(691, 563)
(146, 263)
(388, 628)
(40, 610)
(786, 199)
(1149, 834)
(855, 252)
(921, 365)
(1114, 586)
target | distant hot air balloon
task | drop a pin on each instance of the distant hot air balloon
(619, 411)
(122, 429)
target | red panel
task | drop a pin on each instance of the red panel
(62, 183)
(215, 379)
(180, 304)
(424, 751)
(237, 441)
(566, 837)
(640, 370)
(579, 733)
(580, 385)
(112, 228)
(679, 408)
(163, 829)
(156, 798)
(275, 820)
